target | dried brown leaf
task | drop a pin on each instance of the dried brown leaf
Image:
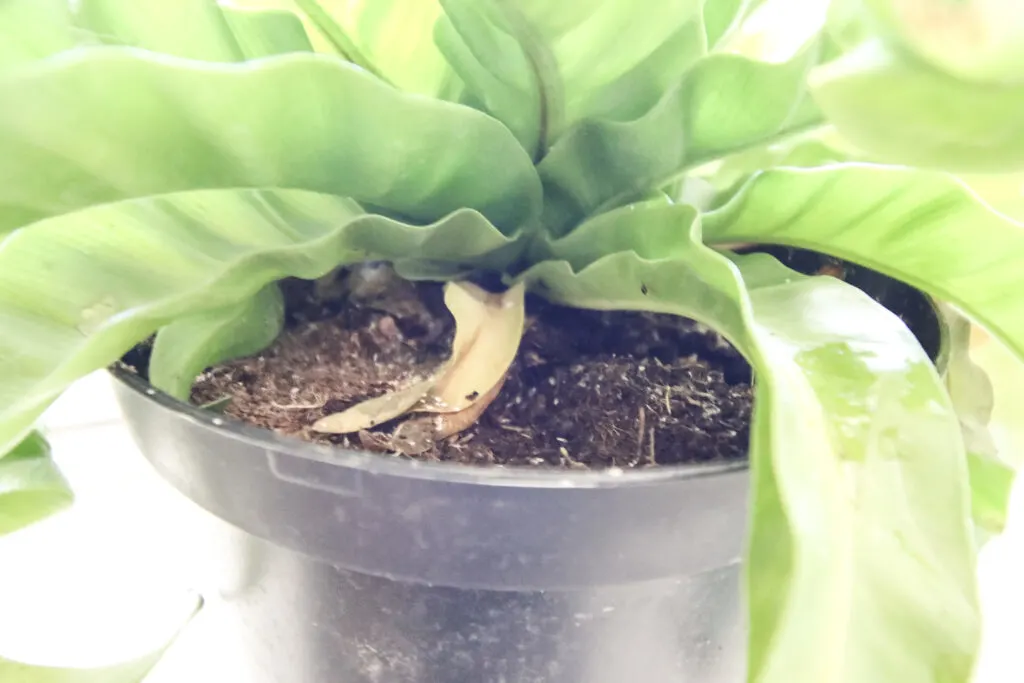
(375, 411)
(488, 329)
(420, 434)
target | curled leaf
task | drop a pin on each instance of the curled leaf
(31, 486)
(488, 328)
(188, 345)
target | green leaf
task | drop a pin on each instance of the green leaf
(316, 38)
(596, 42)
(77, 291)
(859, 539)
(33, 29)
(650, 230)
(909, 225)
(991, 486)
(973, 396)
(131, 671)
(974, 40)
(394, 36)
(506, 70)
(903, 111)
(31, 486)
(806, 151)
(722, 17)
(632, 94)
(191, 344)
(726, 103)
(110, 124)
(540, 68)
(926, 229)
(199, 29)
(339, 39)
(195, 29)
(266, 33)
(868, 478)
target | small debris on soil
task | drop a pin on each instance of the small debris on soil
(588, 390)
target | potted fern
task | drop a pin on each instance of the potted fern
(567, 467)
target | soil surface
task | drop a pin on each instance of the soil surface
(588, 390)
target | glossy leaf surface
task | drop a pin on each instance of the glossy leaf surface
(115, 274)
(31, 486)
(112, 124)
(193, 343)
(860, 539)
(724, 104)
(926, 229)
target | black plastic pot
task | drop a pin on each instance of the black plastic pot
(365, 569)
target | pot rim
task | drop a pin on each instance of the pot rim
(374, 463)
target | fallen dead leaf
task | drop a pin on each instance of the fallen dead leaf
(488, 330)
(420, 434)
(375, 411)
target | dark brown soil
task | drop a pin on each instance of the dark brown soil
(588, 389)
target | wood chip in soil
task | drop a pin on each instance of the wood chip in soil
(588, 390)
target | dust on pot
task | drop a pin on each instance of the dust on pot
(588, 528)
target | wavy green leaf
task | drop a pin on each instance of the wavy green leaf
(339, 39)
(77, 291)
(859, 538)
(131, 671)
(650, 230)
(909, 225)
(516, 85)
(604, 39)
(191, 344)
(198, 29)
(31, 486)
(540, 68)
(926, 229)
(195, 29)
(33, 29)
(724, 104)
(869, 478)
(316, 38)
(266, 33)
(595, 43)
(903, 111)
(110, 124)
(800, 152)
(636, 91)
(394, 36)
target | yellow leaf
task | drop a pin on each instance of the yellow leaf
(488, 329)
(375, 411)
